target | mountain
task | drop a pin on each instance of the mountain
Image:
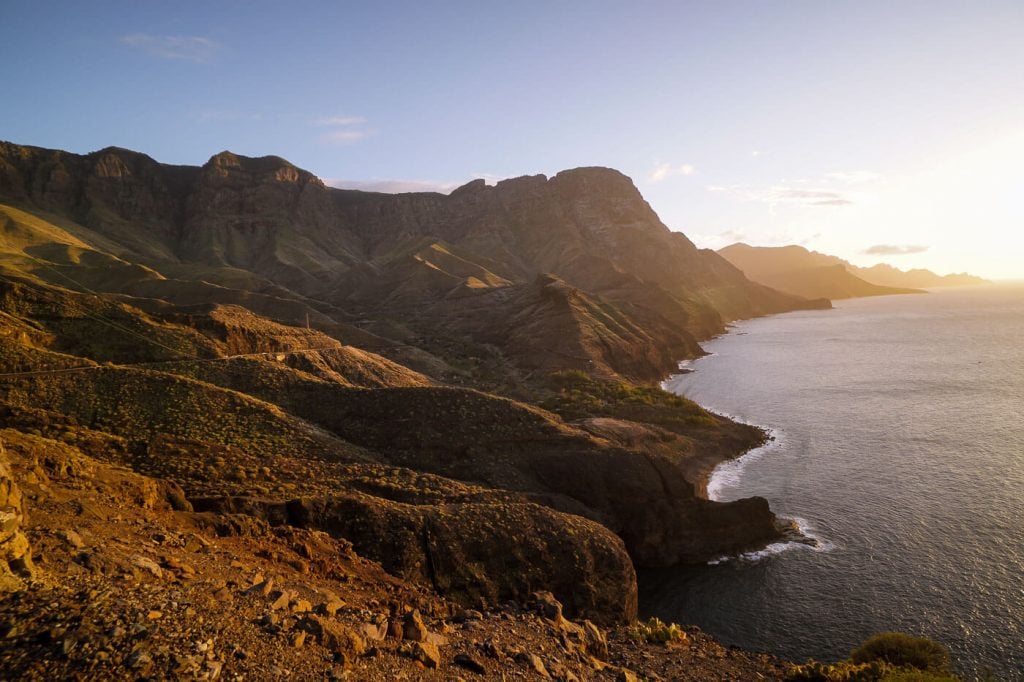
(456, 395)
(887, 275)
(799, 271)
(260, 232)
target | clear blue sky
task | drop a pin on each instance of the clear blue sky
(841, 125)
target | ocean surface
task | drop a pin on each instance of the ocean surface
(899, 445)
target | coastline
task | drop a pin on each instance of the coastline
(712, 470)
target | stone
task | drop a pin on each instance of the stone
(426, 653)
(413, 628)
(223, 595)
(300, 606)
(147, 564)
(533, 662)
(262, 588)
(547, 606)
(72, 538)
(470, 663)
(596, 641)
(282, 600)
(335, 637)
(373, 632)
(330, 607)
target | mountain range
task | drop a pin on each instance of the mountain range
(477, 368)
(801, 272)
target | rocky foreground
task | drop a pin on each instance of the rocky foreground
(106, 577)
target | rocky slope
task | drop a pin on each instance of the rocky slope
(238, 350)
(261, 232)
(131, 585)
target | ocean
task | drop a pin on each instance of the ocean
(898, 427)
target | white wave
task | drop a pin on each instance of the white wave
(812, 543)
(728, 474)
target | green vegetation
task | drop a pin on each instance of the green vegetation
(654, 631)
(577, 395)
(903, 650)
(886, 657)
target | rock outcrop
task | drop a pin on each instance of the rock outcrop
(15, 555)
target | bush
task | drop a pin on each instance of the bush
(902, 650)
(654, 631)
(844, 671)
(918, 676)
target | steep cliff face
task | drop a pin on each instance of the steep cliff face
(589, 226)
(261, 224)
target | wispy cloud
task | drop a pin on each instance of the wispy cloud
(666, 170)
(344, 136)
(343, 130)
(339, 121)
(188, 48)
(783, 194)
(894, 249)
(394, 186)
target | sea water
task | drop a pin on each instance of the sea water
(898, 427)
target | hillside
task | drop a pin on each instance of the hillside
(801, 272)
(266, 235)
(455, 393)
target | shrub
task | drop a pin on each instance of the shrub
(844, 671)
(654, 631)
(905, 675)
(903, 650)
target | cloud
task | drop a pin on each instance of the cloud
(339, 121)
(783, 194)
(189, 48)
(665, 170)
(894, 249)
(345, 136)
(395, 186)
(343, 131)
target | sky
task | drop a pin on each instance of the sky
(876, 131)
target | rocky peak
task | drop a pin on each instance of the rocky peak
(260, 169)
(116, 162)
(471, 187)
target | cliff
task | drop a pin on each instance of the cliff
(275, 357)
(239, 228)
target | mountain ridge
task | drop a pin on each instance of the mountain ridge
(337, 250)
(798, 270)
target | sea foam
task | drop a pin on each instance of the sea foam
(811, 542)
